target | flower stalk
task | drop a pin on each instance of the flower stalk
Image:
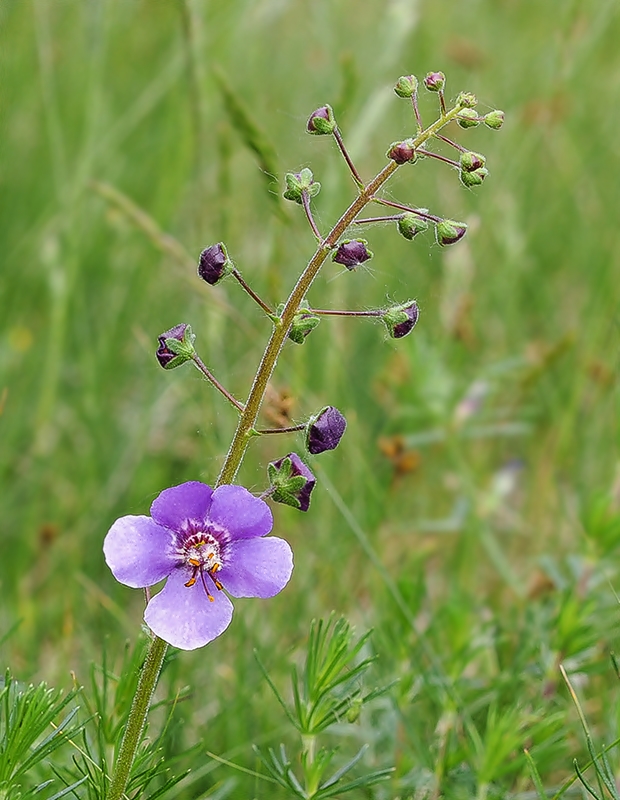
(269, 360)
(137, 718)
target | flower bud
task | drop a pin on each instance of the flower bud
(402, 152)
(435, 81)
(352, 252)
(474, 178)
(176, 346)
(468, 118)
(291, 481)
(322, 121)
(298, 182)
(325, 430)
(406, 86)
(409, 225)
(400, 320)
(494, 119)
(471, 161)
(214, 264)
(303, 324)
(449, 232)
(466, 100)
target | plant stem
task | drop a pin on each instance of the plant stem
(416, 211)
(212, 379)
(251, 292)
(328, 312)
(289, 429)
(347, 158)
(278, 337)
(137, 718)
(305, 200)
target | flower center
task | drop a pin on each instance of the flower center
(202, 553)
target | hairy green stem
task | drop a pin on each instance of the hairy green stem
(268, 362)
(137, 718)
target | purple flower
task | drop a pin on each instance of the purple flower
(325, 430)
(203, 541)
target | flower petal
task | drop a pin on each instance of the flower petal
(257, 567)
(240, 513)
(184, 616)
(180, 507)
(139, 551)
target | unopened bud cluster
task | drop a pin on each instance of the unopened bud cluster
(291, 479)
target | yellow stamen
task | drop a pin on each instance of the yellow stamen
(194, 562)
(190, 582)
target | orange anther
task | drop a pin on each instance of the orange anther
(190, 582)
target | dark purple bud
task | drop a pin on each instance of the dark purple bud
(409, 225)
(176, 346)
(322, 121)
(214, 264)
(494, 119)
(324, 430)
(352, 252)
(449, 232)
(435, 81)
(292, 482)
(471, 161)
(400, 320)
(401, 152)
(406, 86)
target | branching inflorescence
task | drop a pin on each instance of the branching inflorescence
(208, 542)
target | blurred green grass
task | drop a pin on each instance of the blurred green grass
(494, 531)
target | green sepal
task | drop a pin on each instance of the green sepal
(409, 225)
(297, 182)
(183, 350)
(468, 118)
(474, 178)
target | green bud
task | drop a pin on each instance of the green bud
(468, 118)
(471, 161)
(406, 86)
(409, 225)
(466, 100)
(473, 178)
(449, 232)
(494, 119)
(297, 183)
(303, 323)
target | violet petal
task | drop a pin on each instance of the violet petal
(179, 505)
(240, 513)
(257, 567)
(139, 551)
(184, 616)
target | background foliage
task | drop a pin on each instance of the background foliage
(471, 515)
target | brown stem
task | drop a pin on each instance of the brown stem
(251, 292)
(212, 379)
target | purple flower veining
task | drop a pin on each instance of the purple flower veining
(203, 541)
